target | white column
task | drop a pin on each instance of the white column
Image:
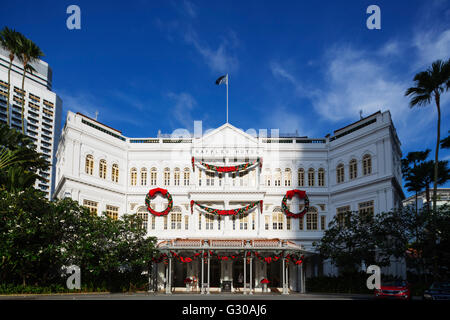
(302, 277)
(283, 269)
(170, 276)
(251, 273)
(208, 273)
(201, 287)
(287, 278)
(245, 272)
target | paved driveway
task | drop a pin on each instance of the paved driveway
(186, 296)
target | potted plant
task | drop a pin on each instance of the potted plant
(264, 283)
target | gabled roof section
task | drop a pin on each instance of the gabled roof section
(228, 134)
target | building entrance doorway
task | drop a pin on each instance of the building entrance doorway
(179, 274)
(274, 274)
(214, 273)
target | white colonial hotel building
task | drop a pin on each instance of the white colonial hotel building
(357, 168)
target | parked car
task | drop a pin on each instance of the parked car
(438, 291)
(398, 289)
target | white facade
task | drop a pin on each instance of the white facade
(42, 113)
(443, 197)
(371, 143)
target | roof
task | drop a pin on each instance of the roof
(229, 244)
(361, 120)
(79, 113)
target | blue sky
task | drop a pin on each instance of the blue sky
(294, 65)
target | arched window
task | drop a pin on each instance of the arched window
(143, 176)
(176, 177)
(340, 173)
(199, 177)
(353, 169)
(115, 173)
(175, 219)
(102, 169)
(210, 178)
(89, 164)
(277, 219)
(301, 177)
(143, 215)
(153, 176)
(243, 222)
(267, 177)
(321, 177)
(186, 222)
(209, 222)
(277, 177)
(187, 175)
(112, 212)
(311, 176)
(153, 220)
(287, 177)
(167, 177)
(133, 174)
(367, 164)
(312, 219)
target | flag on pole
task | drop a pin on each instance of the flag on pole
(222, 79)
(219, 81)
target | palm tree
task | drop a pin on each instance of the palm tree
(19, 160)
(9, 40)
(445, 143)
(413, 182)
(28, 53)
(430, 84)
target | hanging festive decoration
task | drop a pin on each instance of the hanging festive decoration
(268, 259)
(302, 195)
(230, 212)
(226, 258)
(151, 194)
(295, 259)
(222, 169)
(160, 258)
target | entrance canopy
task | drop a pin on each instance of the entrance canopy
(274, 245)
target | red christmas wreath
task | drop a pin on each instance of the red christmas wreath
(151, 194)
(302, 195)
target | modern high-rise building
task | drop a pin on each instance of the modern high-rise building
(42, 110)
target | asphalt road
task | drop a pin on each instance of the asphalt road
(186, 296)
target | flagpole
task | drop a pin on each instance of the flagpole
(227, 97)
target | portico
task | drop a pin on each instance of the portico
(229, 265)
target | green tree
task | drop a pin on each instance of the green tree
(414, 183)
(9, 40)
(430, 85)
(351, 242)
(28, 53)
(21, 161)
(445, 143)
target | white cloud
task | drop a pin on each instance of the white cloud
(431, 46)
(280, 117)
(357, 80)
(184, 103)
(190, 8)
(219, 60)
(89, 104)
